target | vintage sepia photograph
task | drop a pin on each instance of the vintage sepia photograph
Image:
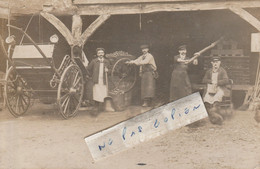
(129, 84)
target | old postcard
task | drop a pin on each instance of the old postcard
(72, 70)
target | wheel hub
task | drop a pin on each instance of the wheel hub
(19, 90)
(73, 90)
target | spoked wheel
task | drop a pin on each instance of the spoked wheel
(70, 91)
(17, 93)
(123, 75)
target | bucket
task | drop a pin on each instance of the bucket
(118, 97)
(128, 98)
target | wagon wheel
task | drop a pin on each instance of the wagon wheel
(17, 93)
(123, 75)
(70, 91)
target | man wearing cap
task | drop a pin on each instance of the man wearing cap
(97, 70)
(180, 83)
(148, 74)
(216, 79)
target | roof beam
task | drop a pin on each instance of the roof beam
(59, 26)
(92, 28)
(134, 8)
(246, 16)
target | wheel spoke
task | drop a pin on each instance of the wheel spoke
(64, 96)
(75, 98)
(17, 105)
(11, 85)
(21, 103)
(65, 101)
(66, 106)
(70, 77)
(73, 104)
(11, 92)
(76, 83)
(23, 100)
(76, 77)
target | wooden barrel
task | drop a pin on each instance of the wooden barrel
(128, 98)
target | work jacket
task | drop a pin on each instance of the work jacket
(93, 69)
(222, 77)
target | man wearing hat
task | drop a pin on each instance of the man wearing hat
(97, 70)
(180, 83)
(216, 79)
(148, 74)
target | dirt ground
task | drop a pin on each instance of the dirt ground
(42, 139)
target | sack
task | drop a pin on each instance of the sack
(155, 74)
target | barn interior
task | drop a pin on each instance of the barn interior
(164, 32)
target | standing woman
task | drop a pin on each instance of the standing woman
(180, 82)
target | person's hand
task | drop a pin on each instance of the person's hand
(186, 61)
(129, 62)
(106, 69)
(195, 62)
(197, 54)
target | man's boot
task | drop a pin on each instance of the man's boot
(146, 103)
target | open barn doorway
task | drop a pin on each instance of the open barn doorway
(166, 31)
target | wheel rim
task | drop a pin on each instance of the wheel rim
(16, 93)
(124, 76)
(70, 91)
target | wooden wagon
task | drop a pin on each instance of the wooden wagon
(32, 72)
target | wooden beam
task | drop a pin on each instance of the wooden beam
(92, 28)
(76, 26)
(246, 16)
(59, 26)
(135, 8)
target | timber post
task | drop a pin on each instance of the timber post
(252, 94)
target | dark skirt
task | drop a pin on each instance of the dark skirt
(147, 85)
(180, 85)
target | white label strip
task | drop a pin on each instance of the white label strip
(146, 126)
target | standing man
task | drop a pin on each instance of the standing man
(216, 79)
(97, 70)
(180, 82)
(147, 73)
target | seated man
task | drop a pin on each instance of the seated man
(216, 79)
